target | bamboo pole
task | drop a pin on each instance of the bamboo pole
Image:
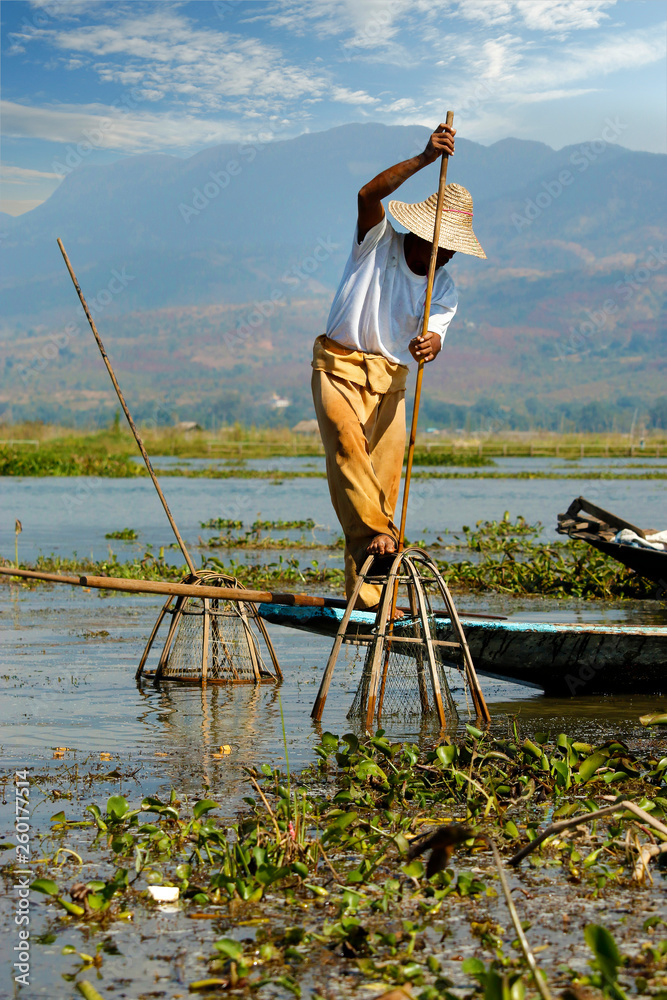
(427, 315)
(133, 586)
(121, 398)
(420, 375)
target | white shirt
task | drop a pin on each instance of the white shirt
(379, 305)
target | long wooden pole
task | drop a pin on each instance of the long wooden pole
(418, 387)
(427, 315)
(121, 398)
(135, 586)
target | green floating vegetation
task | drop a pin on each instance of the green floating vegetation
(582, 474)
(508, 559)
(62, 461)
(125, 534)
(511, 561)
(106, 454)
(258, 526)
(212, 472)
(222, 524)
(147, 567)
(259, 535)
(320, 863)
(454, 458)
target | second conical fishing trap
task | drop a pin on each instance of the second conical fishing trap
(211, 640)
(403, 671)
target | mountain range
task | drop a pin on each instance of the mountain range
(176, 256)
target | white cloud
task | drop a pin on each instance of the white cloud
(17, 206)
(63, 8)
(613, 52)
(190, 85)
(486, 11)
(366, 27)
(555, 95)
(563, 16)
(345, 96)
(367, 21)
(23, 175)
(487, 82)
(499, 58)
(557, 17)
(509, 70)
(45, 14)
(377, 24)
(162, 53)
(403, 104)
(107, 128)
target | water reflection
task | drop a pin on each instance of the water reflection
(67, 663)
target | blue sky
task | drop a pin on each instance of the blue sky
(119, 78)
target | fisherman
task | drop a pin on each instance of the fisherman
(373, 331)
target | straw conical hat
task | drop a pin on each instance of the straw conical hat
(456, 226)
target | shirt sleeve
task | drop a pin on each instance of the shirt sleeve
(443, 308)
(370, 241)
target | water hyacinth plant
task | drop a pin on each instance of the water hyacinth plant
(320, 864)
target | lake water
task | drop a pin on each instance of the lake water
(65, 683)
(64, 515)
(68, 658)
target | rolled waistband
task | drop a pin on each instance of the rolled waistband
(373, 371)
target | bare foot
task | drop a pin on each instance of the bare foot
(382, 545)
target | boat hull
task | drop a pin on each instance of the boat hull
(648, 563)
(586, 522)
(562, 659)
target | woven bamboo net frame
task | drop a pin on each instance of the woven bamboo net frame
(403, 673)
(407, 692)
(212, 641)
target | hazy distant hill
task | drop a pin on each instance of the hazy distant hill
(571, 273)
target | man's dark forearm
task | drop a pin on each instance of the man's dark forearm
(386, 182)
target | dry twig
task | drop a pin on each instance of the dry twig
(645, 852)
(540, 982)
(267, 806)
(566, 824)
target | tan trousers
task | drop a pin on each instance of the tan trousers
(363, 433)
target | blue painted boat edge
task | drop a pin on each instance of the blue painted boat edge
(297, 617)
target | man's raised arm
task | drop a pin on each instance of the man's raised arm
(369, 199)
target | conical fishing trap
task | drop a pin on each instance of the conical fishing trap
(403, 672)
(211, 640)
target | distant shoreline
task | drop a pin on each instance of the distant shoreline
(47, 450)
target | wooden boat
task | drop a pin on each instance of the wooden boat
(587, 522)
(562, 659)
